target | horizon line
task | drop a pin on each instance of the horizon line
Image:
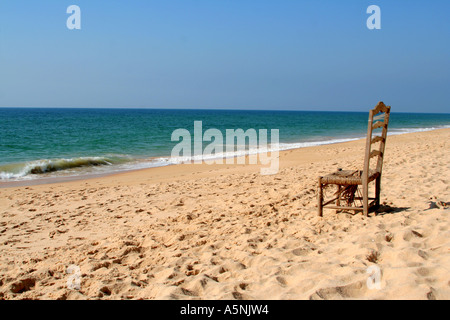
(208, 109)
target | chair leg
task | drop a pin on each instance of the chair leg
(338, 200)
(320, 198)
(377, 192)
(365, 199)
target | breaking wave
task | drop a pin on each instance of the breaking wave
(20, 170)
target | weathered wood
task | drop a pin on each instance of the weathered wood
(365, 198)
(377, 139)
(349, 208)
(377, 191)
(375, 153)
(338, 199)
(366, 175)
(330, 201)
(344, 208)
(383, 143)
(320, 198)
(379, 124)
(381, 107)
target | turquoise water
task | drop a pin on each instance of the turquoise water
(37, 142)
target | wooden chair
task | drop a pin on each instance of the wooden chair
(348, 181)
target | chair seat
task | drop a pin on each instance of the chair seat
(348, 177)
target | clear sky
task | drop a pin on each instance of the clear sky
(228, 54)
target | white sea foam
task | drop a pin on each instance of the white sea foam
(282, 147)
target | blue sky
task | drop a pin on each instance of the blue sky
(227, 54)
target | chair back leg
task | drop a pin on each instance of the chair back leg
(377, 192)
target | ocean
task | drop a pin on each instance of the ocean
(47, 142)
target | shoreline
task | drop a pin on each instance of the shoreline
(89, 176)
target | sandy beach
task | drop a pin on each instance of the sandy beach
(228, 232)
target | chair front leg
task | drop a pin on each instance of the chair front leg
(365, 199)
(320, 198)
(338, 200)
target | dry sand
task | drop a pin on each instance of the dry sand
(226, 232)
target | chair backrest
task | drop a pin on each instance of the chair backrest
(378, 119)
